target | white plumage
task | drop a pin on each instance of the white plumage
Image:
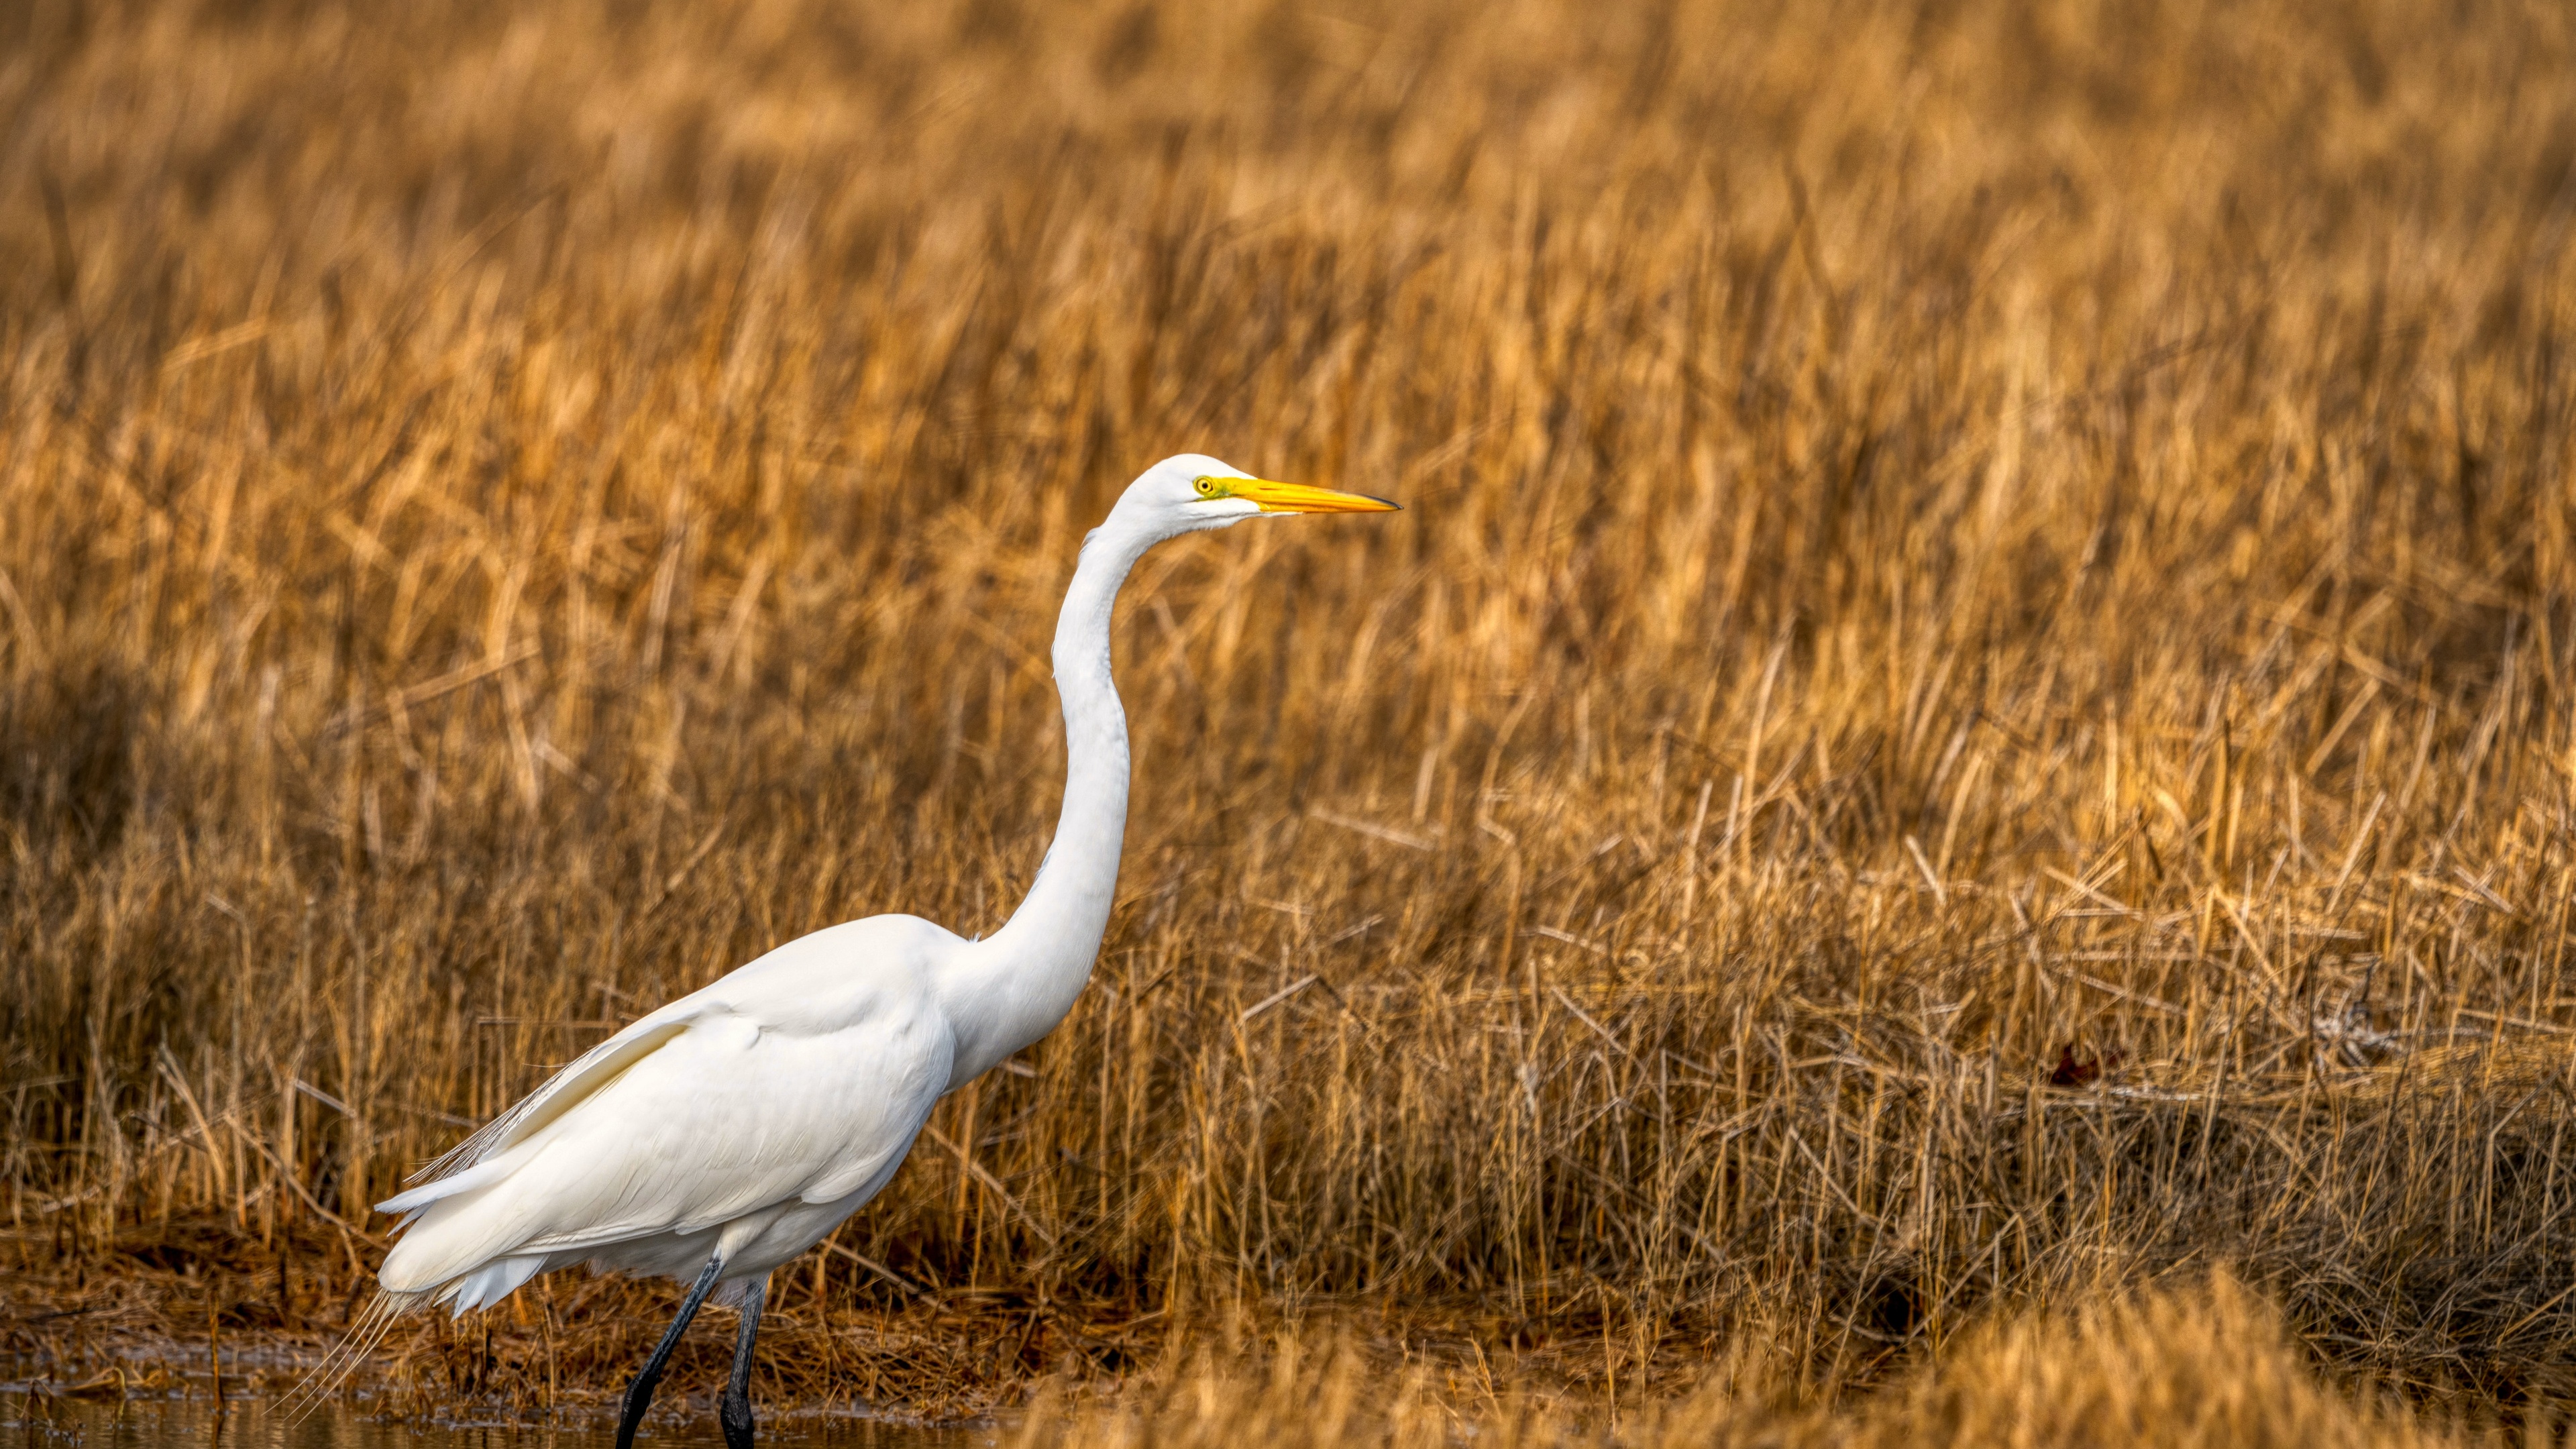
(745, 1120)
(729, 1131)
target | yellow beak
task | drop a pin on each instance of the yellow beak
(1298, 498)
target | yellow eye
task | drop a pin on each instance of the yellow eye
(1207, 488)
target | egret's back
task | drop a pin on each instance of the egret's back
(792, 1085)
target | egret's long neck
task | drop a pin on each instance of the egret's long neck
(1029, 972)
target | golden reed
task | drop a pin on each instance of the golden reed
(1973, 708)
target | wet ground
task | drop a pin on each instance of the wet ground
(41, 1421)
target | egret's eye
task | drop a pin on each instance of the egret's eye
(1207, 488)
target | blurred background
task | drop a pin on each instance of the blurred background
(1969, 714)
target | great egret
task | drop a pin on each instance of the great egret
(726, 1133)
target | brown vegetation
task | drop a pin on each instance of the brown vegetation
(2210, 1370)
(1973, 709)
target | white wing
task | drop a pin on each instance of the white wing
(803, 1076)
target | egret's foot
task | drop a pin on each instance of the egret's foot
(735, 1411)
(639, 1397)
(639, 1394)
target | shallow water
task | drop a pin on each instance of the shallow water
(31, 1421)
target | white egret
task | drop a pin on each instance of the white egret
(724, 1134)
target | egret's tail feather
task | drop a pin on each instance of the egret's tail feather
(366, 1333)
(491, 1283)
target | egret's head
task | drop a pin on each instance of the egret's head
(1193, 491)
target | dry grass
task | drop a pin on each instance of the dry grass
(1973, 709)
(2209, 1369)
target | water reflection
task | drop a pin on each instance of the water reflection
(29, 1421)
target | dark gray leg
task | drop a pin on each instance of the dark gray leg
(639, 1394)
(735, 1409)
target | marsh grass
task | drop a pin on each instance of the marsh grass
(2205, 1367)
(1971, 711)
